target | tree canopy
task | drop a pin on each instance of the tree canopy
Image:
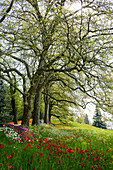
(45, 41)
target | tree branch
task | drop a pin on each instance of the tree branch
(7, 11)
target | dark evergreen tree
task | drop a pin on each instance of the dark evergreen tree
(86, 119)
(5, 104)
(98, 119)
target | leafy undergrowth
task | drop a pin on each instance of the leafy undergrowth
(70, 146)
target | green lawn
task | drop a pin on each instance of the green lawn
(63, 146)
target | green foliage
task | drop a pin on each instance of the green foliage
(80, 119)
(19, 105)
(47, 41)
(5, 118)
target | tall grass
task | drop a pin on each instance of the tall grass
(72, 146)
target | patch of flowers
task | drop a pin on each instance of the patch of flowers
(56, 149)
(12, 133)
(20, 128)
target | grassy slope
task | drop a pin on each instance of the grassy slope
(74, 135)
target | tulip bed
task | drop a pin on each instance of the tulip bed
(51, 147)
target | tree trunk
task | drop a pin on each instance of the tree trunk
(50, 108)
(13, 104)
(46, 100)
(14, 110)
(27, 110)
(36, 111)
(46, 117)
(28, 100)
(38, 84)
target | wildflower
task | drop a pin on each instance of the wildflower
(7, 165)
(82, 165)
(86, 150)
(31, 147)
(12, 154)
(73, 151)
(77, 149)
(104, 164)
(98, 168)
(20, 141)
(11, 167)
(8, 157)
(1, 146)
(32, 156)
(41, 154)
(98, 158)
(94, 159)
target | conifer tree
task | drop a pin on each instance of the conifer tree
(86, 119)
(98, 119)
(5, 104)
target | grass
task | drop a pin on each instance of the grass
(63, 146)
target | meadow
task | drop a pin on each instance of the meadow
(63, 146)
